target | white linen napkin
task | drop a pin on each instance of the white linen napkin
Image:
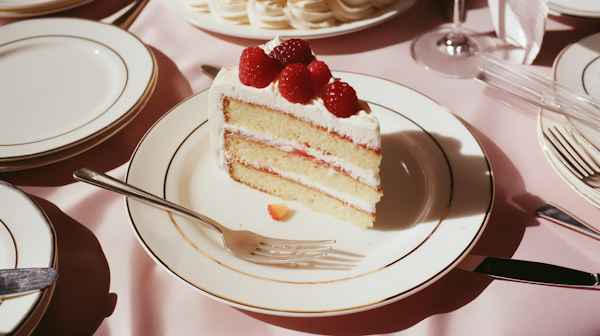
(520, 23)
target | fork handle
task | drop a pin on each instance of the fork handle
(99, 179)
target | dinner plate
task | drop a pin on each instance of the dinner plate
(65, 81)
(209, 22)
(27, 239)
(580, 8)
(29, 8)
(578, 67)
(438, 191)
(22, 5)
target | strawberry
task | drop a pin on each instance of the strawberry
(295, 83)
(320, 73)
(340, 99)
(290, 52)
(277, 211)
(256, 68)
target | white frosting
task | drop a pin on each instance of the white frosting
(351, 10)
(269, 46)
(267, 14)
(381, 3)
(234, 11)
(198, 5)
(362, 128)
(309, 14)
(281, 14)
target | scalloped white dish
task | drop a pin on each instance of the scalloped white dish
(27, 239)
(65, 81)
(209, 22)
(438, 192)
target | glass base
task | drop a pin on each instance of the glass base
(456, 58)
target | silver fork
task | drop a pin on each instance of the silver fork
(246, 245)
(575, 152)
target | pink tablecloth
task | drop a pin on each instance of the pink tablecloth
(108, 285)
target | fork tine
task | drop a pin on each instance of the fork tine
(573, 150)
(302, 249)
(564, 155)
(269, 258)
(582, 157)
(585, 147)
(294, 243)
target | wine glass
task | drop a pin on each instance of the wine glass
(451, 51)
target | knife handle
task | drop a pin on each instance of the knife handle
(535, 272)
(561, 216)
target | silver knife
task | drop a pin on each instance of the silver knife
(561, 216)
(18, 281)
(529, 271)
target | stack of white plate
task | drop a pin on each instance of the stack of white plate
(26, 8)
(66, 85)
(27, 239)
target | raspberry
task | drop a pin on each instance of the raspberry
(290, 52)
(295, 83)
(340, 99)
(256, 68)
(319, 71)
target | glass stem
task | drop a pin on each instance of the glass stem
(458, 13)
(456, 42)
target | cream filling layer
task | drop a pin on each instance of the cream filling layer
(355, 202)
(364, 176)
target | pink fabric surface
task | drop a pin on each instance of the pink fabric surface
(109, 285)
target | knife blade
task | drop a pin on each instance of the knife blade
(529, 271)
(18, 281)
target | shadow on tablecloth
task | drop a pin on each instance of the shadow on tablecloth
(513, 211)
(81, 298)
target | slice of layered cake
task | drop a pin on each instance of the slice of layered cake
(281, 124)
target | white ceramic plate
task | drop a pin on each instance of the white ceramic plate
(18, 5)
(27, 239)
(438, 191)
(65, 81)
(29, 8)
(210, 23)
(578, 67)
(581, 8)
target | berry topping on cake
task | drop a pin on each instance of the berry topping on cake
(340, 99)
(295, 83)
(320, 73)
(256, 68)
(290, 52)
(278, 211)
(300, 75)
